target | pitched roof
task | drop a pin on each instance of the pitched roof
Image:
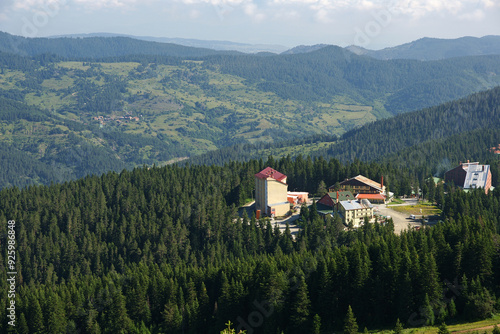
(351, 205)
(371, 196)
(356, 205)
(366, 181)
(343, 195)
(268, 172)
(323, 209)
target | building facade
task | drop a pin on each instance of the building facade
(364, 188)
(355, 212)
(470, 175)
(271, 193)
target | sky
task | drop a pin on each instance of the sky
(373, 24)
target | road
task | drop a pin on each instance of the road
(291, 222)
(401, 221)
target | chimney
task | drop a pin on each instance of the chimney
(382, 182)
(468, 160)
(337, 196)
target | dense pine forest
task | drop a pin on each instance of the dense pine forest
(163, 250)
(432, 139)
(113, 234)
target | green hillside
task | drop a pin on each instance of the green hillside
(437, 48)
(77, 117)
(390, 87)
(97, 47)
(433, 139)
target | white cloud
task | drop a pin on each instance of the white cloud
(476, 15)
(37, 5)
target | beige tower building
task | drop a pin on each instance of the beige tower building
(271, 193)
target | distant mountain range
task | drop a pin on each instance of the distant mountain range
(196, 43)
(436, 48)
(422, 49)
(76, 106)
(112, 45)
(98, 47)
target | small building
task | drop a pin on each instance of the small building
(364, 188)
(355, 211)
(470, 175)
(347, 206)
(297, 198)
(332, 198)
(373, 198)
(271, 196)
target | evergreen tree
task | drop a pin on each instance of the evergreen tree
(443, 329)
(398, 329)
(117, 317)
(23, 325)
(350, 324)
(428, 312)
(316, 324)
(452, 309)
(56, 318)
(300, 307)
(37, 325)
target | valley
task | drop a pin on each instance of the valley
(125, 164)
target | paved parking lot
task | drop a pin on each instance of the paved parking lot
(401, 221)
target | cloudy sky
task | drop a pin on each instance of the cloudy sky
(370, 23)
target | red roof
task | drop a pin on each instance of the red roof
(370, 196)
(268, 172)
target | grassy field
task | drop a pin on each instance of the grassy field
(479, 327)
(396, 201)
(201, 108)
(425, 209)
(483, 326)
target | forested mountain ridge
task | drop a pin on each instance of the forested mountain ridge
(97, 47)
(393, 86)
(158, 250)
(458, 130)
(197, 43)
(436, 48)
(156, 109)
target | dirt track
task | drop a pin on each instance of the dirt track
(475, 329)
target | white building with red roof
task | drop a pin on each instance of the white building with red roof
(271, 193)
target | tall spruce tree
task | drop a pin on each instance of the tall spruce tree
(350, 324)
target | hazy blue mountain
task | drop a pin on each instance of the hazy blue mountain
(436, 48)
(304, 49)
(196, 43)
(97, 47)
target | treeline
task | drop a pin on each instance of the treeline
(477, 111)
(97, 47)
(163, 250)
(432, 140)
(331, 71)
(11, 110)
